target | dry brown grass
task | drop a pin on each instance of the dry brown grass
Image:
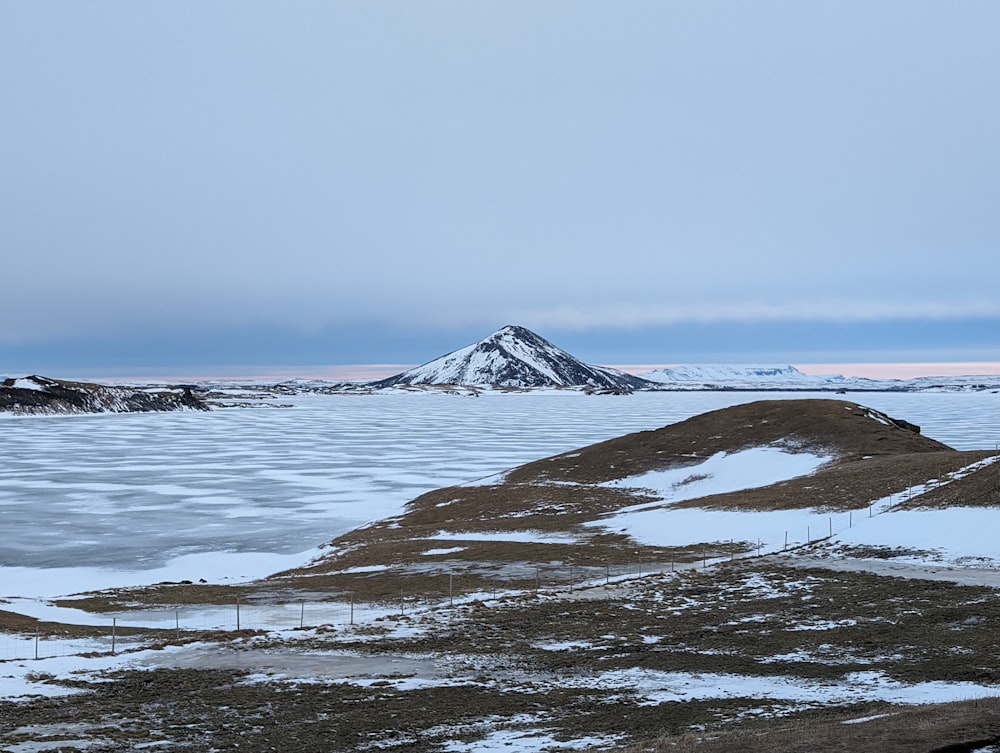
(980, 489)
(853, 484)
(960, 727)
(834, 426)
(739, 619)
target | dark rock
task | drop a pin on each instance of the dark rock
(40, 395)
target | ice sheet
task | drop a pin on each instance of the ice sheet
(95, 500)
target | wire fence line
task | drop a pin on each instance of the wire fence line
(124, 630)
(188, 622)
(134, 629)
(128, 630)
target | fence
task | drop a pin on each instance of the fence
(188, 622)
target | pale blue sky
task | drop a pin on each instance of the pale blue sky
(354, 182)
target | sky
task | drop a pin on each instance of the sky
(245, 185)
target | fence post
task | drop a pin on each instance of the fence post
(831, 525)
(302, 614)
(114, 634)
(36, 643)
(352, 607)
(607, 574)
(786, 541)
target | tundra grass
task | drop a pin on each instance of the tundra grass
(541, 662)
(959, 727)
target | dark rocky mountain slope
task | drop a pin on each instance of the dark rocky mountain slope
(40, 395)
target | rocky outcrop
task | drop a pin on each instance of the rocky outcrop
(41, 395)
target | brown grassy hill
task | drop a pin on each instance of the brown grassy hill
(536, 513)
(844, 429)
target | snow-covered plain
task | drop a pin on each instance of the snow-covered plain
(92, 501)
(95, 501)
(108, 477)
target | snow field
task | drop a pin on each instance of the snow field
(91, 502)
(954, 536)
(248, 487)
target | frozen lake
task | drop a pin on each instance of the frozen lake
(134, 492)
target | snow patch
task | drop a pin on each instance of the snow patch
(723, 473)
(29, 383)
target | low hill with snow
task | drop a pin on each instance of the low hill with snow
(513, 357)
(763, 476)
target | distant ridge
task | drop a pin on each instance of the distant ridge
(790, 379)
(748, 376)
(514, 357)
(727, 372)
(42, 395)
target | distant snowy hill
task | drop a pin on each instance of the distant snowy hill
(514, 357)
(745, 377)
(785, 377)
(728, 373)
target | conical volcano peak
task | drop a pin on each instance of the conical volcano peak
(515, 336)
(515, 331)
(514, 356)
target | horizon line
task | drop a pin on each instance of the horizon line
(368, 372)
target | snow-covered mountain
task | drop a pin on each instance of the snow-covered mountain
(514, 357)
